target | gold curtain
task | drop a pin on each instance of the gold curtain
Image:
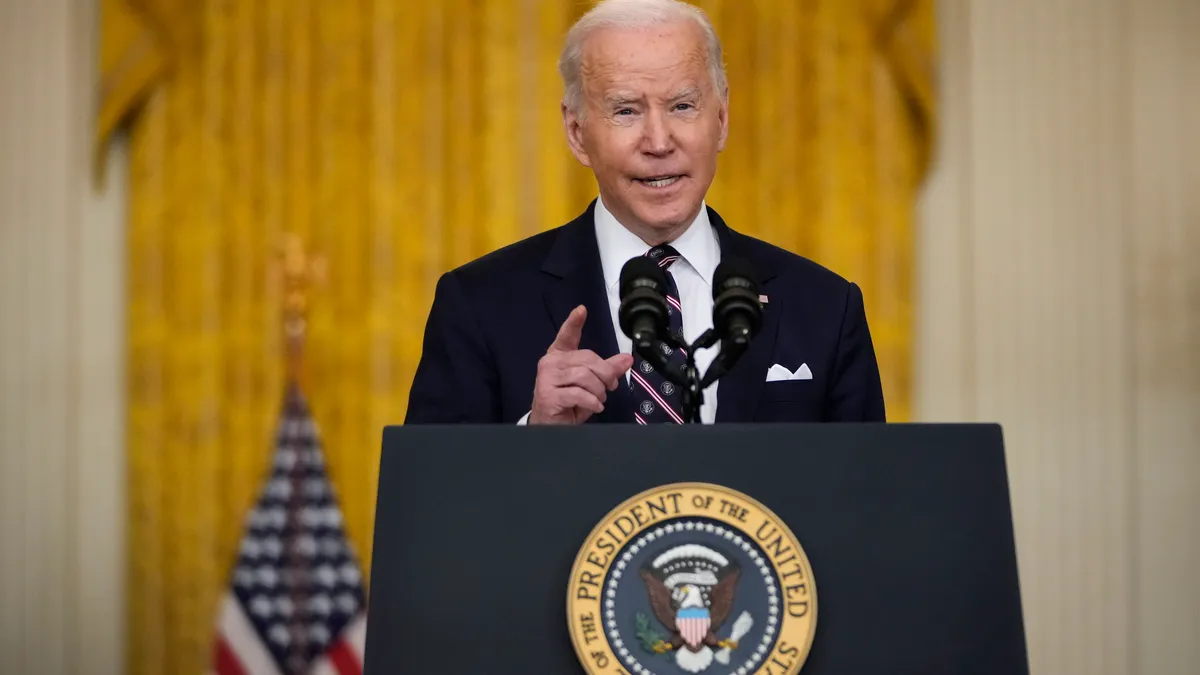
(400, 139)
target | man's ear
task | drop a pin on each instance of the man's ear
(574, 128)
(723, 120)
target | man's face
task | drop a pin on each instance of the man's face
(652, 125)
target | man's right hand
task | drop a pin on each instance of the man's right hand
(572, 384)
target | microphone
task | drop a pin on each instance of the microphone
(643, 311)
(737, 314)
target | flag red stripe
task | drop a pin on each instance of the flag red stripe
(343, 659)
(227, 662)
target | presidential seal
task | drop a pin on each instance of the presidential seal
(692, 578)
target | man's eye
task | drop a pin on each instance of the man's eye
(683, 106)
(625, 111)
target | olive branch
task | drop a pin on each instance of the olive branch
(647, 637)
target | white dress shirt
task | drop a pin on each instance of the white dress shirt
(699, 252)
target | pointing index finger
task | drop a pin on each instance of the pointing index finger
(569, 333)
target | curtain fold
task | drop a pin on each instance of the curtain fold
(398, 140)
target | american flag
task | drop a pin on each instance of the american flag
(296, 603)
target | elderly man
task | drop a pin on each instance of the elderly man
(529, 334)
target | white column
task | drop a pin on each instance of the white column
(61, 354)
(1059, 296)
(1164, 254)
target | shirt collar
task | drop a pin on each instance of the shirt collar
(697, 245)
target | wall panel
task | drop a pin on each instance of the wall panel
(1058, 298)
(61, 371)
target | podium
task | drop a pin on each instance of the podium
(561, 551)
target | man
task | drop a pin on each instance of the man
(529, 334)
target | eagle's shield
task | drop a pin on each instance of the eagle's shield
(693, 625)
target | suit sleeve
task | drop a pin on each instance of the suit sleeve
(456, 379)
(857, 394)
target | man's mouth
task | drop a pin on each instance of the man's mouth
(660, 181)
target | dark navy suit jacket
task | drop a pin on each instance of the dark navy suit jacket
(494, 318)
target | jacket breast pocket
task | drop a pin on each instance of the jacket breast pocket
(791, 401)
(792, 390)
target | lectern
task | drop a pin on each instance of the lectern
(678, 550)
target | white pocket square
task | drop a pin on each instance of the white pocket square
(778, 373)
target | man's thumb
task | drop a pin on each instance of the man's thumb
(619, 363)
(570, 332)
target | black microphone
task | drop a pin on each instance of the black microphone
(643, 311)
(737, 314)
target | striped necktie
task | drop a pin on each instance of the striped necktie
(659, 401)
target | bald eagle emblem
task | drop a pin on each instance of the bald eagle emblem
(691, 589)
(691, 579)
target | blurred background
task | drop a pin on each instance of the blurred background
(1014, 183)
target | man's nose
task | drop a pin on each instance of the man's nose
(657, 139)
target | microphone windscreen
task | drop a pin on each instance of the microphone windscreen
(639, 270)
(734, 269)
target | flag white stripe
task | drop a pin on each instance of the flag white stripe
(244, 640)
(323, 666)
(355, 636)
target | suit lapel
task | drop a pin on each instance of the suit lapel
(572, 276)
(740, 388)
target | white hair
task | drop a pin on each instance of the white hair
(634, 14)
